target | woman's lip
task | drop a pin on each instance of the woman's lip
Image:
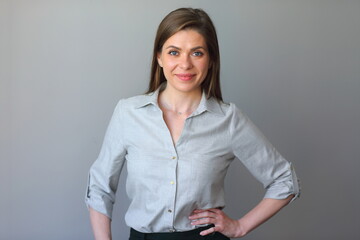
(185, 76)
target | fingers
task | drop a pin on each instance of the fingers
(201, 213)
(203, 221)
(208, 231)
(215, 210)
(210, 216)
(200, 217)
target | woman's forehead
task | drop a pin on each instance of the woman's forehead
(186, 39)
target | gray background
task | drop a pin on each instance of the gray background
(292, 66)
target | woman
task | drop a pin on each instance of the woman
(178, 141)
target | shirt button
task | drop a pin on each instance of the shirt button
(173, 157)
(172, 230)
(169, 211)
(172, 182)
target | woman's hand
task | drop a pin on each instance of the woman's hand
(238, 228)
(223, 224)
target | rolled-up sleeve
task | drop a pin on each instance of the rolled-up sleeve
(105, 171)
(263, 161)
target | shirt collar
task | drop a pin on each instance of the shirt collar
(211, 105)
(147, 99)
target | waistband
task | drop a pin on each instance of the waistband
(192, 234)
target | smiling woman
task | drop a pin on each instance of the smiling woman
(178, 140)
(184, 19)
(185, 62)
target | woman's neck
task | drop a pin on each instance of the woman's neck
(179, 102)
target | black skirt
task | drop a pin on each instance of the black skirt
(188, 235)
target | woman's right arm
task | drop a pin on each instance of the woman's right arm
(104, 177)
(101, 225)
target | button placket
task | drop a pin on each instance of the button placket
(172, 181)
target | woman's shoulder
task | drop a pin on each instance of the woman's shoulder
(136, 101)
(232, 112)
(229, 108)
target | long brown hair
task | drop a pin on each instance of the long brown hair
(194, 19)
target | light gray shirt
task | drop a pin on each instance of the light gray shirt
(165, 183)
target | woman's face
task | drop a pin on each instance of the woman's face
(185, 61)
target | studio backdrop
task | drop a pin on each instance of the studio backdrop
(292, 66)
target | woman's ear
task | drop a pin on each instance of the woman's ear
(159, 59)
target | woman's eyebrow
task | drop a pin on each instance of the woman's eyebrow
(195, 48)
(172, 46)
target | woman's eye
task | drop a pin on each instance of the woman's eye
(198, 54)
(173, 53)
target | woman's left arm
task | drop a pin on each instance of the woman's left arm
(275, 173)
(238, 228)
(266, 164)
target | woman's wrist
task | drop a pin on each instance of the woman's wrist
(241, 229)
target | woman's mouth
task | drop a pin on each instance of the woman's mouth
(185, 76)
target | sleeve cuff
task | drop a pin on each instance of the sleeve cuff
(285, 188)
(100, 205)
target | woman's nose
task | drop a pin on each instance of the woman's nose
(185, 62)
